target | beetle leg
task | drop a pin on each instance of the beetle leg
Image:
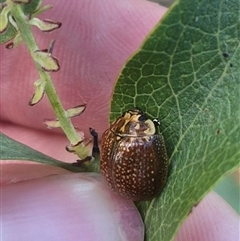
(95, 149)
(80, 163)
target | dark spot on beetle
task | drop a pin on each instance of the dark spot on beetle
(231, 65)
(225, 55)
(142, 118)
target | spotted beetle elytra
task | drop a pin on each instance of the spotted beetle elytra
(133, 158)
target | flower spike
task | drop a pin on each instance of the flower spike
(4, 18)
(45, 25)
(76, 111)
(46, 61)
(39, 92)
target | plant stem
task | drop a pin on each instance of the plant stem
(50, 90)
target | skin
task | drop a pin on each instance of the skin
(96, 39)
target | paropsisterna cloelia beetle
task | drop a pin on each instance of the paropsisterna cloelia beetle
(133, 158)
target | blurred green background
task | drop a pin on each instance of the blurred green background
(165, 3)
(229, 187)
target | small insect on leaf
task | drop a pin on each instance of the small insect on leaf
(133, 158)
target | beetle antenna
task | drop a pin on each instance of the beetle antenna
(156, 122)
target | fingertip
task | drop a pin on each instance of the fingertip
(211, 220)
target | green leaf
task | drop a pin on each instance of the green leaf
(187, 73)
(13, 150)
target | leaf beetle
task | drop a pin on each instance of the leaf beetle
(133, 158)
